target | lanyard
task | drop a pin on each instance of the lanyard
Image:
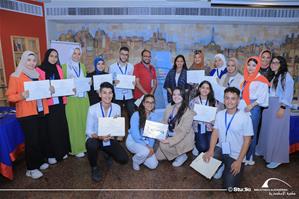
(77, 74)
(103, 114)
(148, 69)
(229, 82)
(52, 77)
(219, 76)
(124, 73)
(230, 122)
(171, 116)
(243, 86)
(201, 101)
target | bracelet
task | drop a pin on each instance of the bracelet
(282, 106)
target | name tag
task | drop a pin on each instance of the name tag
(55, 100)
(40, 105)
(225, 148)
(171, 134)
(81, 94)
(124, 91)
(106, 143)
(152, 83)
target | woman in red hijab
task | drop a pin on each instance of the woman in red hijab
(255, 94)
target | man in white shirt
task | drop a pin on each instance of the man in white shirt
(234, 130)
(112, 148)
(123, 97)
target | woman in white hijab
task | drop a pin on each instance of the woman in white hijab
(30, 114)
(77, 105)
(220, 64)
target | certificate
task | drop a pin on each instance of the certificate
(155, 130)
(99, 79)
(204, 113)
(192, 76)
(37, 89)
(82, 84)
(204, 168)
(139, 100)
(111, 126)
(219, 93)
(125, 81)
(63, 87)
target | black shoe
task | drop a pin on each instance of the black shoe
(108, 159)
(96, 174)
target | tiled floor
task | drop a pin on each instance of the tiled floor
(74, 173)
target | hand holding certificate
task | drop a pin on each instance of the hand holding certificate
(82, 84)
(204, 113)
(63, 87)
(155, 130)
(37, 89)
(125, 81)
(111, 126)
(99, 79)
(192, 76)
(207, 169)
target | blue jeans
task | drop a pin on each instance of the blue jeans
(255, 117)
(202, 141)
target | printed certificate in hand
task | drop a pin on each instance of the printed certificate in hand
(82, 84)
(204, 113)
(155, 130)
(111, 126)
(125, 81)
(99, 79)
(63, 87)
(192, 76)
(204, 168)
(37, 89)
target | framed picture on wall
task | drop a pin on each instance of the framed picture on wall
(21, 44)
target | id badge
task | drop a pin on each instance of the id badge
(55, 100)
(152, 83)
(203, 128)
(40, 107)
(106, 143)
(81, 94)
(171, 134)
(124, 91)
(225, 148)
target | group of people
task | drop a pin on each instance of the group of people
(252, 120)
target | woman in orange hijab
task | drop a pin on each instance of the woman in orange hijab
(255, 94)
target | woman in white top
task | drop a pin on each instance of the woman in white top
(232, 78)
(255, 94)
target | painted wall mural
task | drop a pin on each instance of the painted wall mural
(168, 40)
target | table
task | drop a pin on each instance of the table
(294, 132)
(11, 142)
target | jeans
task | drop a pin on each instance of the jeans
(202, 141)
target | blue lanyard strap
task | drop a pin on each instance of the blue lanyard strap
(122, 70)
(230, 122)
(77, 74)
(201, 101)
(103, 114)
(243, 86)
(229, 82)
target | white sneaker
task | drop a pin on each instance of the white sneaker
(80, 155)
(65, 157)
(195, 152)
(219, 173)
(44, 166)
(179, 161)
(35, 174)
(249, 162)
(52, 160)
(136, 166)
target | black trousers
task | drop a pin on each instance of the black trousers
(115, 150)
(34, 128)
(129, 104)
(228, 179)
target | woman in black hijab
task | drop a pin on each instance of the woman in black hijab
(58, 133)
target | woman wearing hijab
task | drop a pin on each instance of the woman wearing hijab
(58, 133)
(77, 106)
(232, 78)
(99, 69)
(30, 114)
(265, 70)
(220, 64)
(273, 142)
(255, 94)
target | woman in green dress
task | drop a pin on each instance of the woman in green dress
(77, 106)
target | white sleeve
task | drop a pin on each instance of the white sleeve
(217, 121)
(247, 125)
(263, 95)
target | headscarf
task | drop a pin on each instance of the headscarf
(228, 75)
(248, 79)
(95, 62)
(33, 74)
(73, 65)
(221, 56)
(50, 69)
(199, 66)
(261, 54)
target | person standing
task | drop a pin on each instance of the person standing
(265, 69)
(220, 69)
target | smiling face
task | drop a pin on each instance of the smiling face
(179, 63)
(218, 62)
(197, 59)
(149, 104)
(146, 57)
(251, 66)
(275, 65)
(177, 97)
(266, 58)
(231, 67)
(231, 100)
(204, 90)
(106, 94)
(123, 56)
(76, 55)
(53, 57)
(31, 62)
(101, 65)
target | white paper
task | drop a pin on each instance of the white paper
(192, 76)
(155, 130)
(112, 126)
(63, 87)
(99, 79)
(204, 113)
(125, 81)
(82, 84)
(206, 169)
(139, 100)
(37, 89)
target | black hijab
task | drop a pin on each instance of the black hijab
(50, 69)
